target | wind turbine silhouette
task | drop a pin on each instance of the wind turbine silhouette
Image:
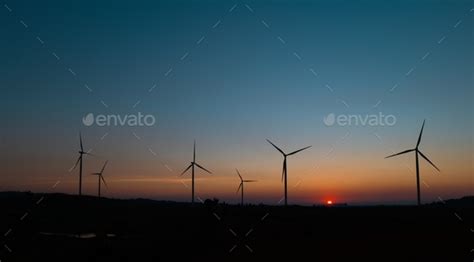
(79, 161)
(417, 152)
(285, 173)
(241, 186)
(192, 165)
(100, 176)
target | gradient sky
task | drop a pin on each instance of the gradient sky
(250, 78)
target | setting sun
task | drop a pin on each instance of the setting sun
(329, 202)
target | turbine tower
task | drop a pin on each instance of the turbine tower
(100, 177)
(241, 186)
(285, 173)
(192, 165)
(417, 152)
(79, 161)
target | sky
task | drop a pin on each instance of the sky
(230, 74)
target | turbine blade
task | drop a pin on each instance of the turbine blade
(203, 168)
(80, 142)
(403, 152)
(103, 180)
(421, 133)
(250, 181)
(283, 173)
(194, 151)
(426, 158)
(281, 151)
(186, 169)
(90, 154)
(238, 173)
(77, 162)
(104, 167)
(292, 153)
(240, 186)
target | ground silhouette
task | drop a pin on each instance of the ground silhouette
(72, 228)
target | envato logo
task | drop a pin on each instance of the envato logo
(118, 120)
(360, 120)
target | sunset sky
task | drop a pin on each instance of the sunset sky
(230, 74)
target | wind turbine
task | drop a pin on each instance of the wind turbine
(192, 165)
(417, 152)
(285, 173)
(79, 161)
(241, 186)
(100, 176)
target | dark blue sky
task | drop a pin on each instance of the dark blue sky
(232, 73)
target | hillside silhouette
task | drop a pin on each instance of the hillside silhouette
(72, 228)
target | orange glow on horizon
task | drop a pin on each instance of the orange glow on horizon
(329, 202)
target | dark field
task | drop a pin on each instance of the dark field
(59, 228)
